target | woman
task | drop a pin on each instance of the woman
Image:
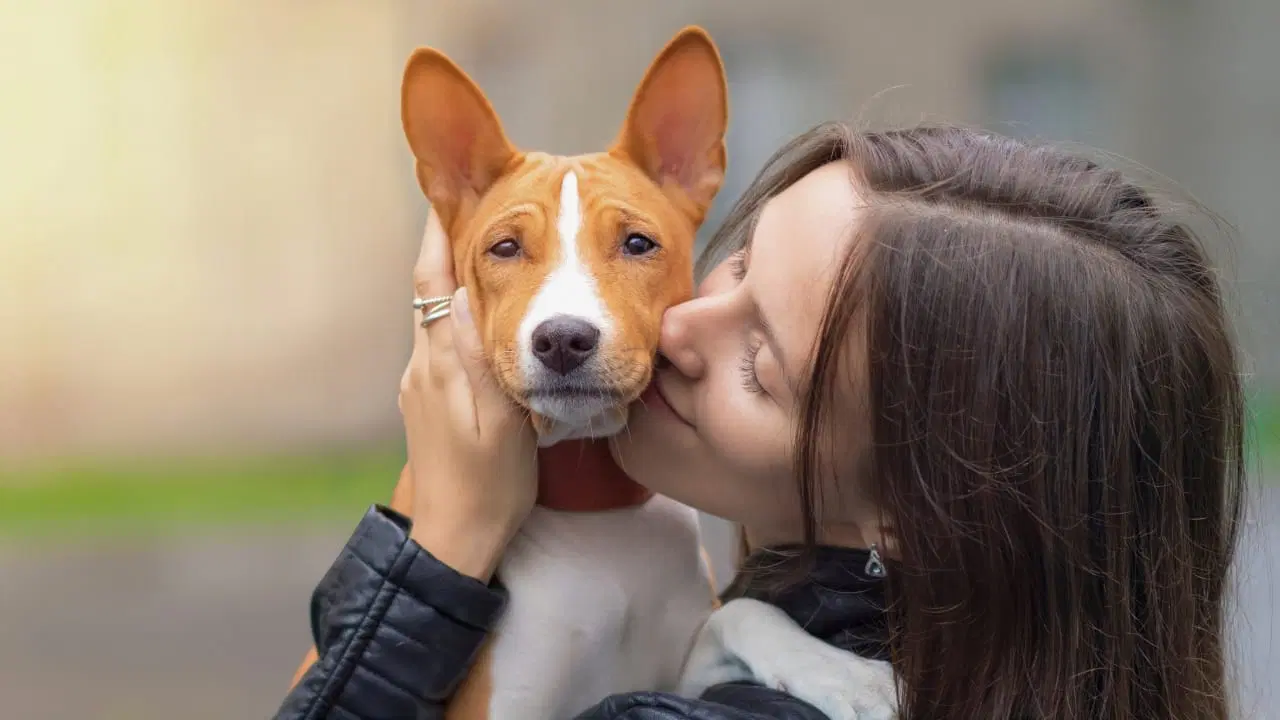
(1001, 368)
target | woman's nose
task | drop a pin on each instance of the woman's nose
(690, 328)
(689, 331)
(676, 341)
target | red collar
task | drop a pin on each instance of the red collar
(581, 476)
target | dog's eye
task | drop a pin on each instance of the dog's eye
(505, 249)
(637, 244)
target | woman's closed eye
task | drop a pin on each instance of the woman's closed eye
(747, 369)
(747, 366)
(738, 264)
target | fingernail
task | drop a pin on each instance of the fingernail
(461, 305)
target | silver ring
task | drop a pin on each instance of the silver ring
(419, 303)
(433, 308)
(435, 313)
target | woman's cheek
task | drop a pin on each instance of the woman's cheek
(736, 428)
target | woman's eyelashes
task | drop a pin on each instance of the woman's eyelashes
(747, 370)
(747, 366)
(738, 264)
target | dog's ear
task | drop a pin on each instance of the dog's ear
(675, 126)
(455, 135)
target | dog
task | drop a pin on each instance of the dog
(569, 263)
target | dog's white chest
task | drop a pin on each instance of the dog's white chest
(600, 603)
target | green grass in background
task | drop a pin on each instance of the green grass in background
(1264, 430)
(158, 496)
(149, 496)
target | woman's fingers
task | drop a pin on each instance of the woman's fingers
(448, 355)
(433, 279)
(479, 390)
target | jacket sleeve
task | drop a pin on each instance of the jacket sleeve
(395, 629)
(730, 701)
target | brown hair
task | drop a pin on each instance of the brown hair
(1056, 424)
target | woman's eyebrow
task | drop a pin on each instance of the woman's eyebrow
(747, 242)
(771, 339)
(767, 327)
(751, 227)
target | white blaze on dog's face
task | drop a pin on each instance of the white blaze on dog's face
(571, 261)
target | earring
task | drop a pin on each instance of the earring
(875, 566)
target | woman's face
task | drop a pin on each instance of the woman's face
(715, 429)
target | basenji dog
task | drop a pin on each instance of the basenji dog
(570, 262)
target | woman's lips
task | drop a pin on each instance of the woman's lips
(653, 394)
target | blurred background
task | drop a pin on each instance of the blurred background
(208, 215)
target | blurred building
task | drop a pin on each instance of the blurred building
(207, 211)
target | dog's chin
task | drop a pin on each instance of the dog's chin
(603, 424)
(586, 407)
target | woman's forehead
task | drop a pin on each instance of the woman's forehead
(815, 215)
(801, 237)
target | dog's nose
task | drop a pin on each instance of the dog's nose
(563, 343)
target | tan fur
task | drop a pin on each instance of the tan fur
(471, 700)
(711, 577)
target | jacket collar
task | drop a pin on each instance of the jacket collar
(834, 599)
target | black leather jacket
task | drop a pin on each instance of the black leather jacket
(396, 631)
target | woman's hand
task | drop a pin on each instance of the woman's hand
(472, 453)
